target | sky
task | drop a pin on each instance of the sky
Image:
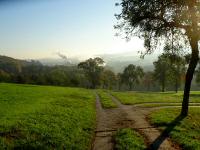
(33, 29)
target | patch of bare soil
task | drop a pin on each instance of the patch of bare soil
(126, 116)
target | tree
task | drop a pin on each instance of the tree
(148, 80)
(177, 70)
(161, 71)
(93, 69)
(132, 75)
(198, 76)
(4, 76)
(108, 79)
(119, 80)
(177, 62)
(155, 20)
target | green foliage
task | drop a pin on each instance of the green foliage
(108, 79)
(4, 76)
(169, 69)
(147, 97)
(127, 139)
(186, 133)
(153, 25)
(93, 69)
(38, 117)
(148, 80)
(132, 75)
(106, 100)
(198, 76)
(177, 61)
(162, 66)
(33, 72)
(11, 65)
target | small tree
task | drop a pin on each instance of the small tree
(92, 69)
(132, 75)
(198, 76)
(177, 70)
(177, 61)
(148, 79)
(161, 71)
(119, 80)
(108, 79)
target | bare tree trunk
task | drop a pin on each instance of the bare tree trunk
(189, 75)
(176, 86)
(130, 86)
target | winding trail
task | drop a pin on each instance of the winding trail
(126, 116)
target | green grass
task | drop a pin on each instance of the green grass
(127, 139)
(130, 98)
(186, 133)
(44, 117)
(106, 99)
(165, 104)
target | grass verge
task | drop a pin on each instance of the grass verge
(130, 98)
(165, 104)
(127, 139)
(106, 100)
(186, 132)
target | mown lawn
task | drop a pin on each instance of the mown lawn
(130, 98)
(106, 99)
(127, 139)
(185, 131)
(44, 117)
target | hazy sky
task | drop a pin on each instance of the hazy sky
(41, 28)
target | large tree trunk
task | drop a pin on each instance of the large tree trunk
(189, 75)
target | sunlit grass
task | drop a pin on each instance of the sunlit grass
(44, 117)
(166, 104)
(186, 133)
(130, 98)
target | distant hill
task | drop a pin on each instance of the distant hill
(58, 61)
(116, 62)
(11, 65)
(119, 61)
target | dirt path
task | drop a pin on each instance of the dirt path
(109, 120)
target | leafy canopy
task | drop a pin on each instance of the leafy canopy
(132, 75)
(93, 69)
(155, 20)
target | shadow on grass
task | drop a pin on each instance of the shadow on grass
(165, 134)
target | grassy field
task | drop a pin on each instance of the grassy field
(185, 131)
(47, 117)
(130, 98)
(106, 99)
(127, 139)
(38, 117)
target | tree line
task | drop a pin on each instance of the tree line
(168, 74)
